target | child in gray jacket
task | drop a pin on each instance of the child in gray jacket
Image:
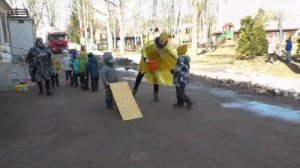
(108, 75)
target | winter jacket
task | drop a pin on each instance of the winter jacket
(76, 66)
(56, 64)
(93, 67)
(271, 48)
(66, 63)
(40, 63)
(181, 71)
(108, 74)
(82, 62)
(289, 45)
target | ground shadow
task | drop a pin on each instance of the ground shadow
(206, 50)
(294, 67)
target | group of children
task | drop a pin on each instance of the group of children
(76, 65)
(86, 66)
(272, 50)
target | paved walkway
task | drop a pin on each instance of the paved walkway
(73, 129)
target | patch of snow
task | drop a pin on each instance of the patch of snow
(135, 58)
(263, 80)
(122, 69)
(224, 74)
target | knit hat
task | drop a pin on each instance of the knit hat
(90, 55)
(164, 36)
(181, 50)
(65, 52)
(107, 57)
(74, 53)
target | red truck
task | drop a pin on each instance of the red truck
(57, 40)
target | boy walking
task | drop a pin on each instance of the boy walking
(181, 77)
(288, 48)
(108, 75)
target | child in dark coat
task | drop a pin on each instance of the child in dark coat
(181, 77)
(93, 68)
(288, 48)
(108, 75)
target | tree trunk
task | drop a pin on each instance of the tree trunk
(91, 27)
(79, 14)
(121, 34)
(195, 28)
(108, 30)
(51, 12)
(114, 32)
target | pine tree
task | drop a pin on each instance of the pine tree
(252, 39)
(74, 28)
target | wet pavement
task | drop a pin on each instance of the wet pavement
(227, 127)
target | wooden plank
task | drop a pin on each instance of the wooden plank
(125, 101)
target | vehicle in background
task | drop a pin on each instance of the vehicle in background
(57, 40)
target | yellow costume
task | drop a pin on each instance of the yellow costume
(56, 64)
(166, 60)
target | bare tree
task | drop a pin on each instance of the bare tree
(12, 3)
(121, 26)
(51, 12)
(108, 19)
(198, 6)
(208, 20)
(179, 3)
(85, 13)
(36, 9)
(120, 16)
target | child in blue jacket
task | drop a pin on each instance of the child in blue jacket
(181, 77)
(288, 48)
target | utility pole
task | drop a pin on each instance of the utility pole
(280, 28)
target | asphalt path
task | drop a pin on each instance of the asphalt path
(227, 127)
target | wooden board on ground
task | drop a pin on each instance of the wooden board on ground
(125, 101)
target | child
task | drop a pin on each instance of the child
(66, 66)
(271, 51)
(56, 66)
(108, 75)
(75, 67)
(288, 48)
(82, 70)
(93, 68)
(181, 77)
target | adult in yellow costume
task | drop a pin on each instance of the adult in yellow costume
(159, 51)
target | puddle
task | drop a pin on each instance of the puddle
(259, 108)
(267, 110)
(224, 93)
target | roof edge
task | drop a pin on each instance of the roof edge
(7, 5)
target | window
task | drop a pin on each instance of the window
(57, 37)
